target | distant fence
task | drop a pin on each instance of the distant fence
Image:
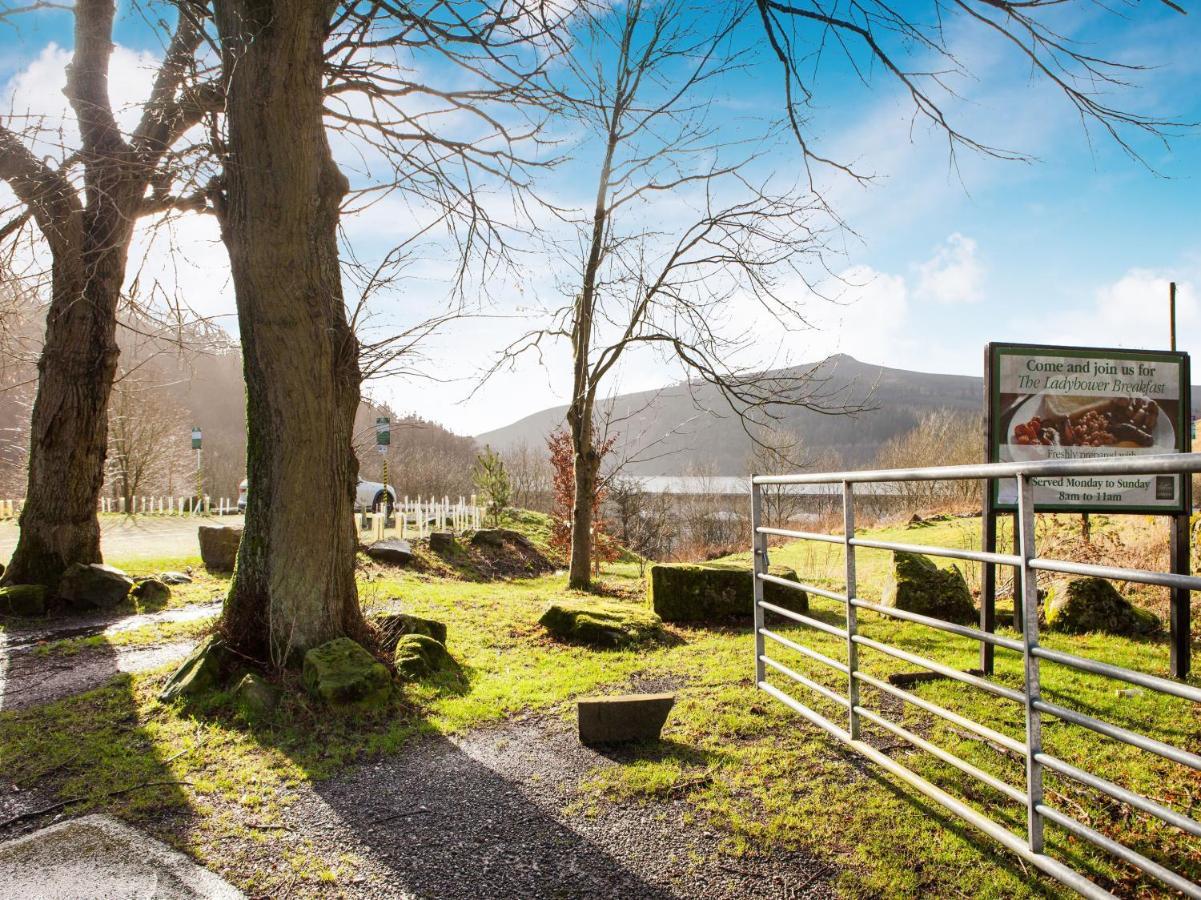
(145, 506)
(417, 518)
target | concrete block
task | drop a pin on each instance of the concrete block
(622, 719)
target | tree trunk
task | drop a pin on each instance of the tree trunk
(587, 468)
(69, 426)
(294, 585)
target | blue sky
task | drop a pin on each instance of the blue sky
(1073, 247)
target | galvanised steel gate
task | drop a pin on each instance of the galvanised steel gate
(1028, 564)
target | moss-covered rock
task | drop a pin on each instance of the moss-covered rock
(23, 600)
(346, 676)
(203, 672)
(917, 585)
(1080, 605)
(601, 624)
(716, 591)
(419, 656)
(94, 586)
(255, 697)
(394, 626)
(151, 593)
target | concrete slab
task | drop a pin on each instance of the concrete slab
(97, 857)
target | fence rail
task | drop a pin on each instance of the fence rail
(1029, 846)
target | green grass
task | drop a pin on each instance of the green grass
(742, 763)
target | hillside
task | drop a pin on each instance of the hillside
(684, 426)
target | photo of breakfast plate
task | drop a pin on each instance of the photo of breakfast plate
(1129, 423)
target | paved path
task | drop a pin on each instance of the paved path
(131, 538)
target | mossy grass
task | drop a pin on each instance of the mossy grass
(742, 764)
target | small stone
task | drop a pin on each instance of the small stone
(201, 673)
(623, 719)
(255, 697)
(151, 593)
(396, 625)
(94, 586)
(219, 546)
(1129, 692)
(442, 541)
(23, 600)
(418, 656)
(174, 578)
(346, 676)
(391, 553)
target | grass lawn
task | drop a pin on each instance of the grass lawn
(746, 766)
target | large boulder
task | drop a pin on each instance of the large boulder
(717, 591)
(23, 600)
(601, 624)
(219, 546)
(203, 672)
(394, 626)
(391, 553)
(151, 593)
(94, 586)
(419, 655)
(917, 585)
(346, 676)
(1080, 605)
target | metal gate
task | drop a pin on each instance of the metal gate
(1027, 563)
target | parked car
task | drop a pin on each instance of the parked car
(368, 495)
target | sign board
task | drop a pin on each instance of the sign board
(383, 432)
(1081, 403)
(195, 438)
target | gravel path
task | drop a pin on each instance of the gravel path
(482, 816)
(28, 678)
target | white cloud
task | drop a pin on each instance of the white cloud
(1131, 312)
(953, 274)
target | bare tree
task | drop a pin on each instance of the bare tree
(85, 207)
(531, 475)
(147, 436)
(643, 521)
(287, 68)
(914, 46)
(643, 74)
(943, 437)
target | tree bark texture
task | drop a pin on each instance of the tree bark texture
(293, 587)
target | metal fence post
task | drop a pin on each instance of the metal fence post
(759, 564)
(1034, 741)
(848, 531)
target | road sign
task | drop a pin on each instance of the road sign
(383, 432)
(195, 438)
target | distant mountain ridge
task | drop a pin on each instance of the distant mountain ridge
(682, 427)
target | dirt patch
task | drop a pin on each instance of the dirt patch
(504, 555)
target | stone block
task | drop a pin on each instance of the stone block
(219, 546)
(623, 719)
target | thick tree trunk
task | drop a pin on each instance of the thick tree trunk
(69, 427)
(294, 585)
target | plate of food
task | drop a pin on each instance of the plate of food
(1121, 423)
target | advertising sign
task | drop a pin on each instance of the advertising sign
(1080, 403)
